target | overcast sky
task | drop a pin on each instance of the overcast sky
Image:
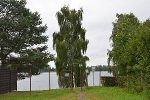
(97, 20)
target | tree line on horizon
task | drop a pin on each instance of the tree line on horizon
(97, 68)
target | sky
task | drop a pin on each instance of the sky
(97, 20)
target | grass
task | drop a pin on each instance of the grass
(115, 93)
(92, 93)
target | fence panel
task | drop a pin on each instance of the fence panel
(8, 80)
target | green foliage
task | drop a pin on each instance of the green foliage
(122, 81)
(22, 43)
(70, 43)
(124, 29)
(131, 50)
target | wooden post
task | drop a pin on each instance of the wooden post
(49, 79)
(71, 79)
(86, 80)
(81, 79)
(30, 81)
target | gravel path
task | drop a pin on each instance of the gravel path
(82, 96)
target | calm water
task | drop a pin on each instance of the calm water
(41, 82)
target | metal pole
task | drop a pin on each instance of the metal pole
(86, 80)
(30, 81)
(49, 79)
(99, 78)
(86, 77)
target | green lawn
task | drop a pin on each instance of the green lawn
(90, 93)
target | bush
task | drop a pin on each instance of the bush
(122, 81)
(135, 83)
(108, 81)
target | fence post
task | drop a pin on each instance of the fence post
(30, 81)
(81, 79)
(49, 79)
(71, 78)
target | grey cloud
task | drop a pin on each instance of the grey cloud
(97, 20)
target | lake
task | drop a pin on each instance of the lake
(41, 82)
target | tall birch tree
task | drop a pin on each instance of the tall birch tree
(70, 43)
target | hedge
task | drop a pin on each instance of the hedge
(108, 81)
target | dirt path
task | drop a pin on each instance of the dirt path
(82, 96)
